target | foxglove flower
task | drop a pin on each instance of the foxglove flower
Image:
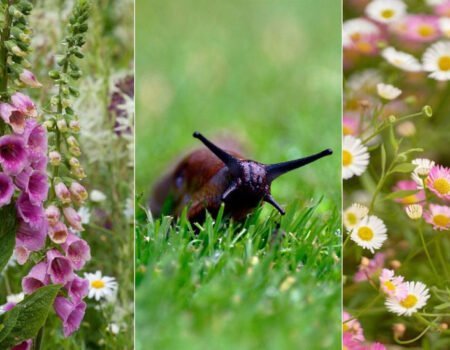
(35, 138)
(31, 238)
(73, 218)
(58, 233)
(62, 192)
(53, 214)
(6, 189)
(70, 313)
(13, 117)
(13, 154)
(21, 254)
(77, 289)
(29, 79)
(34, 215)
(34, 183)
(78, 192)
(36, 278)
(77, 250)
(24, 104)
(25, 345)
(59, 267)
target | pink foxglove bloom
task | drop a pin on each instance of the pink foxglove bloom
(13, 117)
(13, 154)
(58, 233)
(30, 237)
(77, 250)
(63, 193)
(352, 327)
(372, 268)
(53, 214)
(418, 28)
(38, 162)
(25, 345)
(55, 158)
(409, 185)
(59, 267)
(6, 189)
(77, 289)
(32, 214)
(78, 192)
(35, 137)
(392, 285)
(438, 216)
(70, 313)
(29, 79)
(34, 183)
(73, 218)
(21, 254)
(24, 104)
(438, 181)
(36, 278)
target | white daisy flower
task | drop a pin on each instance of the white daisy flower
(365, 80)
(387, 91)
(354, 214)
(370, 233)
(414, 211)
(423, 167)
(97, 196)
(85, 215)
(357, 28)
(416, 299)
(100, 286)
(355, 157)
(444, 26)
(436, 60)
(434, 2)
(401, 60)
(114, 328)
(15, 298)
(386, 11)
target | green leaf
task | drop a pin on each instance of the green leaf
(393, 139)
(8, 228)
(403, 168)
(32, 313)
(383, 160)
(7, 324)
(401, 194)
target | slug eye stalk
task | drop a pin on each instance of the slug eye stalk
(253, 179)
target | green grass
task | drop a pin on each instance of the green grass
(269, 74)
(227, 286)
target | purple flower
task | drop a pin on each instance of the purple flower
(12, 116)
(34, 183)
(6, 189)
(73, 218)
(29, 79)
(58, 233)
(78, 288)
(53, 214)
(36, 278)
(24, 104)
(59, 267)
(38, 162)
(62, 192)
(21, 253)
(25, 345)
(78, 192)
(32, 214)
(35, 137)
(77, 250)
(13, 154)
(31, 238)
(71, 314)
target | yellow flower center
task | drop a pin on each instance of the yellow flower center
(365, 233)
(387, 13)
(363, 47)
(347, 158)
(98, 284)
(347, 130)
(355, 36)
(444, 63)
(412, 199)
(442, 185)
(345, 327)
(352, 219)
(409, 302)
(425, 30)
(441, 220)
(389, 286)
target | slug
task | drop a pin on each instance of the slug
(209, 176)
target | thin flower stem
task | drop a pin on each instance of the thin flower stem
(426, 249)
(7, 284)
(441, 259)
(346, 241)
(365, 309)
(4, 53)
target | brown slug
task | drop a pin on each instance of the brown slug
(209, 176)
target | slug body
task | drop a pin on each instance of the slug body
(209, 176)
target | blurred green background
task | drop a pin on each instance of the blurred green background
(269, 74)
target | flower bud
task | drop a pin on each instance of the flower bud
(428, 111)
(75, 151)
(78, 192)
(29, 79)
(74, 126)
(52, 213)
(73, 218)
(74, 163)
(392, 119)
(79, 173)
(55, 158)
(62, 192)
(54, 74)
(72, 141)
(395, 264)
(62, 125)
(399, 330)
(414, 211)
(48, 124)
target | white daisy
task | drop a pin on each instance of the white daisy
(100, 286)
(416, 299)
(423, 167)
(355, 157)
(15, 298)
(436, 60)
(97, 196)
(386, 11)
(444, 26)
(85, 215)
(401, 60)
(354, 214)
(370, 233)
(365, 80)
(414, 211)
(355, 29)
(387, 91)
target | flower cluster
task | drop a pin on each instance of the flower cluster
(353, 335)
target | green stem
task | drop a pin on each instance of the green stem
(426, 250)
(365, 309)
(6, 31)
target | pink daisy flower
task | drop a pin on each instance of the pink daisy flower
(352, 327)
(373, 267)
(442, 9)
(418, 28)
(350, 125)
(438, 216)
(393, 285)
(438, 181)
(409, 185)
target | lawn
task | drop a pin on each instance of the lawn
(268, 73)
